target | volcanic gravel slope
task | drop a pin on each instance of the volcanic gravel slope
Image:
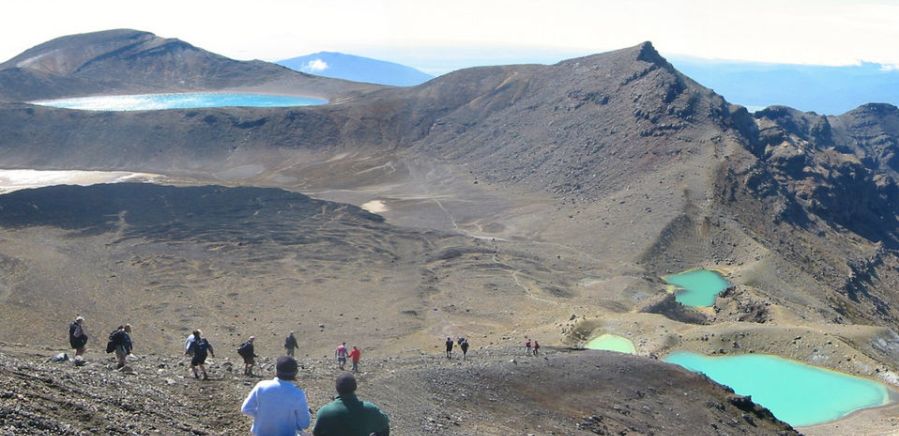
(494, 392)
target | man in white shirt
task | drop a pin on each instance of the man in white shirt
(278, 407)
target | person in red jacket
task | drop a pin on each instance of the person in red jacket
(355, 355)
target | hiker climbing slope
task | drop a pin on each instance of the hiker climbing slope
(120, 343)
(290, 344)
(449, 348)
(463, 344)
(77, 336)
(355, 355)
(341, 354)
(248, 352)
(200, 348)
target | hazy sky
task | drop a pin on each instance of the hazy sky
(428, 33)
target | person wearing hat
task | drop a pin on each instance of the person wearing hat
(278, 407)
(349, 416)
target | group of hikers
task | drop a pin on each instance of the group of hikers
(532, 349)
(341, 353)
(119, 341)
(277, 406)
(463, 345)
(197, 347)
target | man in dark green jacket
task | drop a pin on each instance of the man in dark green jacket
(349, 416)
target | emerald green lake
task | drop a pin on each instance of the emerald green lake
(698, 287)
(612, 343)
(796, 393)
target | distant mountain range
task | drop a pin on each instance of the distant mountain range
(357, 69)
(816, 88)
(822, 89)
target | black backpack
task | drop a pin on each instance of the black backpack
(245, 350)
(200, 347)
(79, 341)
(115, 339)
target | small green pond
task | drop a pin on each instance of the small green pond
(697, 287)
(797, 393)
(612, 343)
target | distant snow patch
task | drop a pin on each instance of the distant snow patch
(315, 65)
(375, 206)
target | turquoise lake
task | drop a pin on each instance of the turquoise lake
(192, 100)
(796, 393)
(612, 343)
(698, 287)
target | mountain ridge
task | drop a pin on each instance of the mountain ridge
(125, 61)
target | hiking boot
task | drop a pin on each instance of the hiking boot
(205, 377)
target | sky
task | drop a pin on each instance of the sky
(439, 35)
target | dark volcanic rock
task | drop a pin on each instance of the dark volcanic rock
(169, 212)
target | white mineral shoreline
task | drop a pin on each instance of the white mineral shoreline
(16, 179)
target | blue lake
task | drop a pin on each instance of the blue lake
(697, 287)
(192, 100)
(796, 393)
(609, 342)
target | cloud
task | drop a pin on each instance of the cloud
(315, 65)
(889, 67)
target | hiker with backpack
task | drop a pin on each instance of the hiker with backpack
(527, 346)
(463, 344)
(536, 347)
(77, 336)
(120, 343)
(199, 349)
(248, 353)
(449, 347)
(290, 344)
